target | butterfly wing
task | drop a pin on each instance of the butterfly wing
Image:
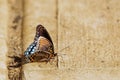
(44, 41)
(44, 48)
(41, 31)
(40, 56)
(44, 44)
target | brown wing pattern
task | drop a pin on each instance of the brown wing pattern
(45, 45)
(41, 56)
(41, 31)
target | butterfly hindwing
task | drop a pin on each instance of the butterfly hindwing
(40, 56)
(44, 44)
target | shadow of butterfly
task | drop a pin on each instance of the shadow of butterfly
(42, 48)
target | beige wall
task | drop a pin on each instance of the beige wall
(3, 37)
(86, 35)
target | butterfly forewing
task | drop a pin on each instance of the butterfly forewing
(41, 31)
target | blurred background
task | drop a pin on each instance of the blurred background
(85, 33)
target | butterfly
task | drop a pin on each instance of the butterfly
(41, 49)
